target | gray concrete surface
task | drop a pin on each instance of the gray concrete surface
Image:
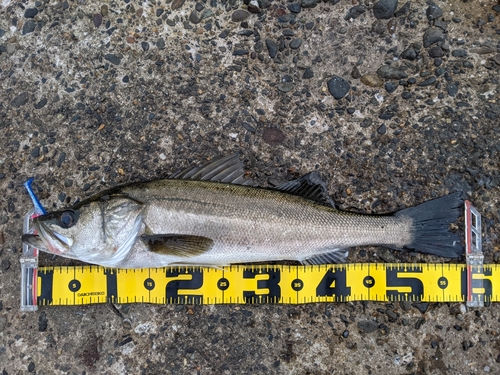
(101, 93)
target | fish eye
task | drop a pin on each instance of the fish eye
(67, 219)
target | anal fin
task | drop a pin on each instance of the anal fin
(180, 245)
(331, 256)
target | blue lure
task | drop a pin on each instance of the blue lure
(39, 210)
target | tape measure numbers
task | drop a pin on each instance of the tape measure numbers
(266, 284)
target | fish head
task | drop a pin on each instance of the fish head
(100, 231)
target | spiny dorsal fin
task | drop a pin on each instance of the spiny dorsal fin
(309, 186)
(332, 256)
(180, 245)
(229, 169)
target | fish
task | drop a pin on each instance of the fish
(212, 215)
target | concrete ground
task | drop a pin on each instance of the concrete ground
(393, 103)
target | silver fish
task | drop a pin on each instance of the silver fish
(210, 216)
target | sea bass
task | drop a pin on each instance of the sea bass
(210, 216)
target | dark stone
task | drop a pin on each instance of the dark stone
(391, 87)
(368, 326)
(296, 43)
(240, 52)
(459, 53)
(29, 27)
(273, 136)
(384, 9)
(441, 24)
(113, 59)
(310, 3)
(248, 127)
(160, 43)
(20, 100)
(30, 13)
(31, 367)
(403, 10)
(176, 4)
(406, 95)
(294, 7)
(41, 104)
(285, 86)
(272, 48)
(338, 87)
(421, 306)
(390, 72)
(60, 160)
(408, 54)
(436, 51)
(145, 46)
(429, 81)
(355, 12)
(5, 265)
(386, 116)
(308, 74)
(452, 89)
(42, 322)
(97, 20)
(382, 129)
(194, 17)
(433, 12)
(433, 35)
(35, 152)
(239, 15)
(159, 12)
(356, 74)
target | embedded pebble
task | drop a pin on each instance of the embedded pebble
(372, 80)
(272, 48)
(20, 100)
(409, 54)
(355, 12)
(29, 26)
(239, 15)
(30, 13)
(432, 36)
(452, 89)
(338, 87)
(113, 59)
(294, 7)
(295, 43)
(433, 12)
(97, 20)
(368, 326)
(273, 136)
(384, 9)
(390, 72)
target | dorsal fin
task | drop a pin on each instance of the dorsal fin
(229, 169)
(309, 186)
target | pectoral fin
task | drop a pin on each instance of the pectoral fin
(177, 244)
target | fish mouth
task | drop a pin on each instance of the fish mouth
(48, 240)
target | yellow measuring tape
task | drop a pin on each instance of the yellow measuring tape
(281, 284)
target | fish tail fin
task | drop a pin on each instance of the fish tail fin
(431, 226)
